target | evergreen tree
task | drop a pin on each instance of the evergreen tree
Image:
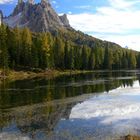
(71, 58)
(59, 53)
(91, 60)
(108, 59)
(4, 58)
(138, 61)
(132, 60)
(84, 58)
(21, 48)
(124, 61)
(34, 57)
(66, 55)
(77, 57)
(51, 51)
(45, 48)
(26, 47)
(18, 46)
(99, 57)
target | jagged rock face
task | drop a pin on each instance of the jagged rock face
(38, 17)
(31, 1)
(64, 20)
(1, 17)
(18, 9)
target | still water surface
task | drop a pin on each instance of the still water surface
(99, 106)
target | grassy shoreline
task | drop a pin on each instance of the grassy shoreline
(130, 137)
(50, 73)
(21, 75)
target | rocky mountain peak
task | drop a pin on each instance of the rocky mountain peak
(64, 20)
(31, 2)
(39, 17)
(20, 1)
(45, 1)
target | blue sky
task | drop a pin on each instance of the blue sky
(113, 20)
(61, 6)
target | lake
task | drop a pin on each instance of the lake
(99, 106)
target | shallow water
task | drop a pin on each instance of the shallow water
(100, 105)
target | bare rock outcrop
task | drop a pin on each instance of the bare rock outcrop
(39, 17)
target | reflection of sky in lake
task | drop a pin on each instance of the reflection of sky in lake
(118, 104)
(85, 111)
(110, 115)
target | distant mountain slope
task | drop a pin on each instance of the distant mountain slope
(41, 17)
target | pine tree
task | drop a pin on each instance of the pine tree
(138, 61)
(91, 60)
(71, 58)
(84, 58)
(124, 61)
(51, 51)
(77, 57)
(108, 59)
(18, 45)
(45, 51)
(66, 55)
(59, 53)
(4, 58)
(132, 60)
(26, 47)
(99, 57)
(34, 57)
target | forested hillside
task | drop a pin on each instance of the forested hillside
(20, 48)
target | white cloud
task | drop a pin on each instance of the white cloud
(54, 2)
(70, 12)
(123, 3)
(6, 1)
(132, 41)
(117, 25)
(119, 105)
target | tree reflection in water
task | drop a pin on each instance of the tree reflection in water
(35, 107)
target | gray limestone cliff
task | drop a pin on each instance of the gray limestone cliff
(64, 20)
(39, 17)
